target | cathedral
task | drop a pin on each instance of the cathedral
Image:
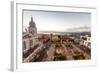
(32, 27)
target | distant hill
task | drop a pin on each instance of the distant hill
(80, 29)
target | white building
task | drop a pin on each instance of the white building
(29, 42)
(85, 41)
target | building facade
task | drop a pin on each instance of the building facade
(85, 41)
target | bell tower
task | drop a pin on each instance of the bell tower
(32, 27)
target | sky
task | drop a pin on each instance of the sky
(56, 21)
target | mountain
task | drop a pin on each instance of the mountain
(80, 29)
